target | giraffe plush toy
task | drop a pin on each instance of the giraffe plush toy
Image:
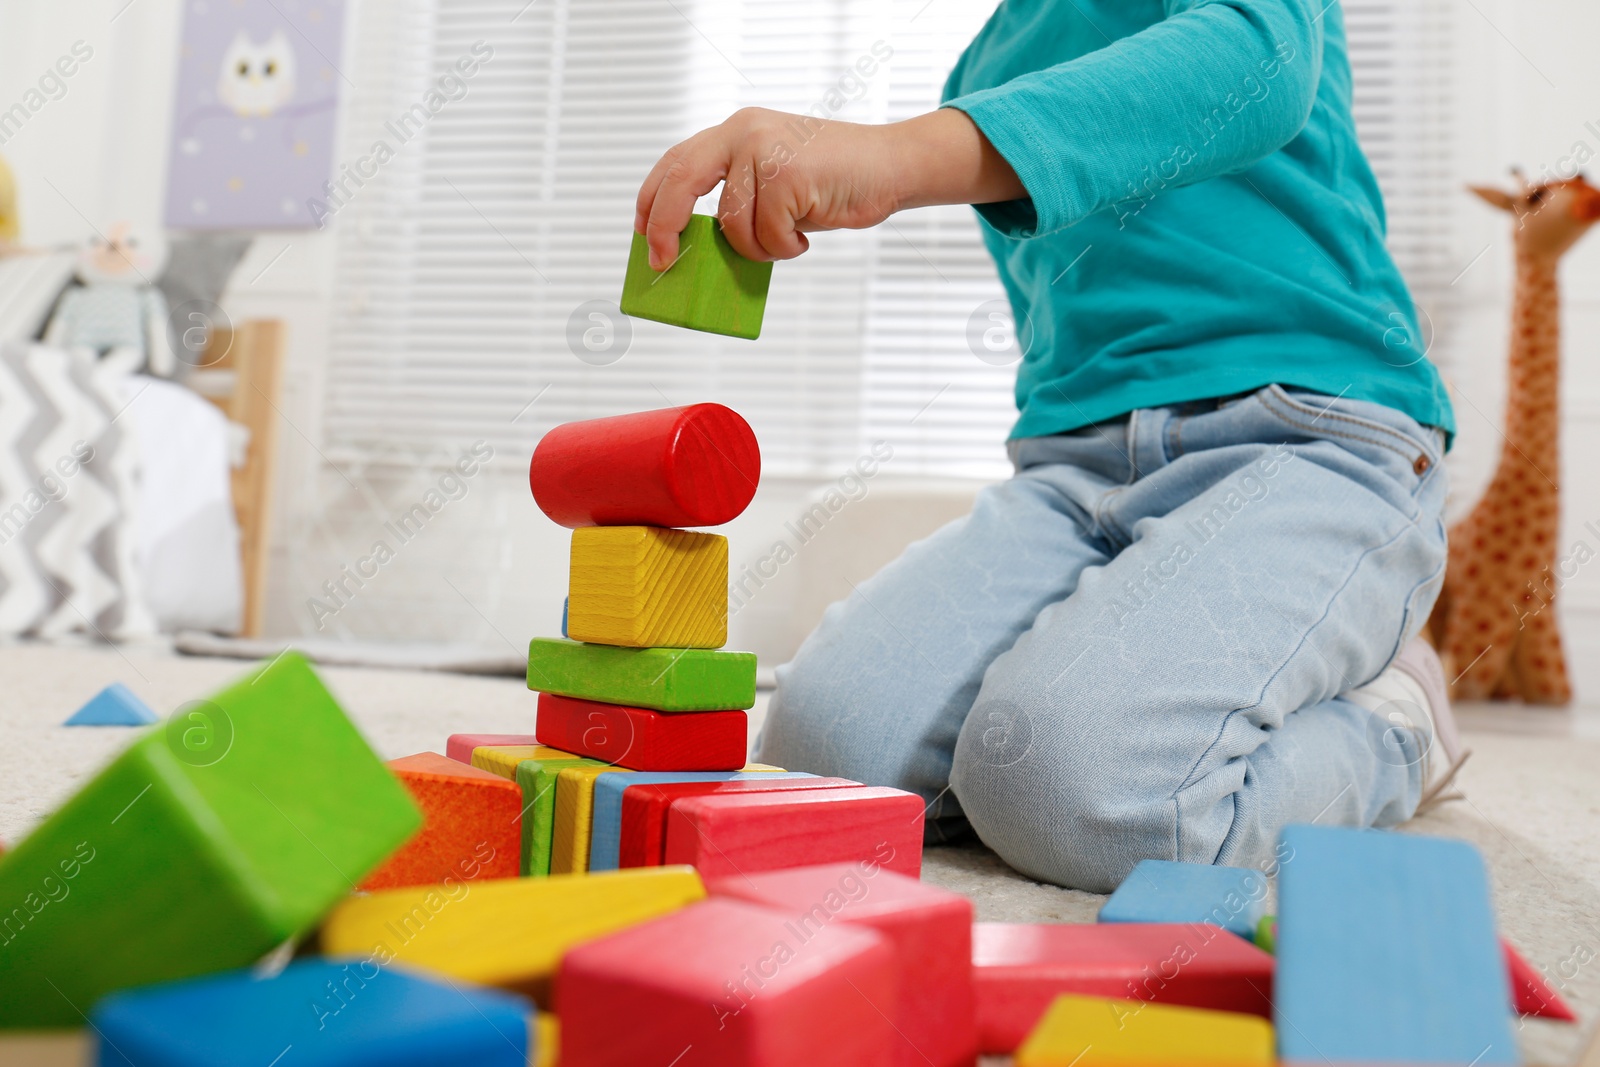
(1495, 623)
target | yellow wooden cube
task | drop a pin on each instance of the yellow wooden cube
(1099, 1032)
(507, 932)
(503, 759)
(648, 587)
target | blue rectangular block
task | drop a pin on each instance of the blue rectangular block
(1387, 952)
(315, 1013)
(1160, 891)
(605, 838)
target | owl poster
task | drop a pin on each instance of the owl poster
(253, 121)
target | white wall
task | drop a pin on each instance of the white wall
(1527, 87)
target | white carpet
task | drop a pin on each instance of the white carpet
(1533, 788)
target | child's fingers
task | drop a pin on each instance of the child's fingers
(695, 172)
(775, 224)
(737, 211)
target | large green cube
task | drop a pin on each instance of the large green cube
(663, 679)
(709, 287)
(214, 838)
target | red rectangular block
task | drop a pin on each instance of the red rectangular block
(459, 747)
(641, 739)
(644, 811)
(1019, 969)
(929, 929)
(471, 825)
(740, 833)
(724, 983)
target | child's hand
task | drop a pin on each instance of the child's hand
(786, 175)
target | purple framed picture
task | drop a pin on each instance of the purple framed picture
(254, 115)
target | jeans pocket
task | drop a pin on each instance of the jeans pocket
(1318, 415)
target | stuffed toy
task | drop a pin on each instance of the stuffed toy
(116, 310)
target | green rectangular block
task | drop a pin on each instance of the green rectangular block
(709, 287)
(538, 781)
(663, 679)
(212, 839)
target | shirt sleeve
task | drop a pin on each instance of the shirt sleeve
(1212, 89)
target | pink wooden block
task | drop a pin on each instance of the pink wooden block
(930, 930)
(459, 747)
(724, 983)
(741, 833)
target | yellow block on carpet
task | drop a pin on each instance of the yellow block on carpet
(648, 587)
(503, 759)
(1098, 1032)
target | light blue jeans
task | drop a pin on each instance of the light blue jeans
(1135, 647)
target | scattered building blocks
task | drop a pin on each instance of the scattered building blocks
(709, 287)
(675, 467)
(46, 1048)
(1102, 1032)
(642, 841)
(929, 929)
(471, 825)
(726, 983)
(665, 679)
(645, 740)
(1160, 891)
(331, 1013)
(648, 586)
(503, 759)
(1020, 969)
(1387, 952)
(115, 705)
(1530, 993)
(574, 817)
(741, 833)
(537, 779)
(459, 746)
(200, 848)
(510, 932)
(605, 833)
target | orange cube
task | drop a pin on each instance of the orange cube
(471, 829)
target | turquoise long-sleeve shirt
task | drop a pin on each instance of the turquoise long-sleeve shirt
(1200, 220)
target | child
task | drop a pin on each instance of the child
(1179, 627)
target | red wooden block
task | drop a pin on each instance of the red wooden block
(460, 746)
(930, 930)
(740, 833)
(644, 811)
(1019, 969)
(723, 983)
(641, 739)
(1530, 993)
(471, 825)
(690, 466)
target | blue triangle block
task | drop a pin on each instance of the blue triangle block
(115, 705)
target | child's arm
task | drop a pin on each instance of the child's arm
(1217, 86)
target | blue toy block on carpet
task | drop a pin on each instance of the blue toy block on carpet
(1160, 891)
(1387, 952)
(115, 705)
(605, 836)
(330, 1013)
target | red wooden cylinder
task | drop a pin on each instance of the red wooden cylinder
(690, 466)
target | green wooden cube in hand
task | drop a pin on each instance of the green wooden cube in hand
(709, 287)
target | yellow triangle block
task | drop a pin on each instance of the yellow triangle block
(1098, 1032)
(508, 932)
(503, 759)
(648, 587)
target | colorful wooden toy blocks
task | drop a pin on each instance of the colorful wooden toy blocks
(459, 746)
(504, 759)
(471, 825)
(510, 932)
(642, 839)
(644, 740)
(1160, 891)
(115, 705)
(318, 1013)
(677, 467)
(729, 984)
(709, 287)
(201, 847)
(929, 929)
(1387, 952)
(605, 835)
(1019, 970)
(663, 679)
(537, 779)
(644, 586)
(1080, 1031)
